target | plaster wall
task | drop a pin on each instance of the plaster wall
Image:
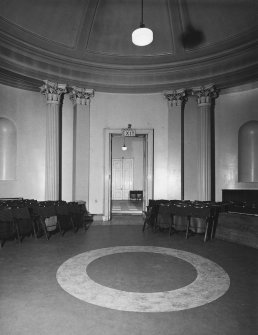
(26, 110)
(115, 111)
(232, 110)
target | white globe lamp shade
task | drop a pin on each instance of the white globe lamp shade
(142, 36)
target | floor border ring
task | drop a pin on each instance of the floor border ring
(210, 284)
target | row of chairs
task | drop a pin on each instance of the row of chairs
(26, 218)
(191, 216)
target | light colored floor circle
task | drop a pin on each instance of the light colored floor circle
(210, 284)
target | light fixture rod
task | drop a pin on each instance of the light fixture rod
(141, 23)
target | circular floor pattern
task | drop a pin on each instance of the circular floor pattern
(144, 272)
(210, 284)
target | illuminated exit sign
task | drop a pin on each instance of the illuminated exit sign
(128, 131)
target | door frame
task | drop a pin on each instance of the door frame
(148, 173)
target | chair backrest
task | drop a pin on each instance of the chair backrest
(6, 215)
(21, 213)
(62, 209)
(180, 209)
(165, 210)
(74, 208)
(201, 211)
(45, 211)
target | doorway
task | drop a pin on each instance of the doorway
(135, 183)
(127, 174)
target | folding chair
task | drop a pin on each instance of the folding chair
(150, 217)
(203, 213)
(164, 217)
(8, 229)
(180, 211)
(64, 217)
(47, 218)
(23, 221)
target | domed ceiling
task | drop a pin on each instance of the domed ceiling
(87, 43)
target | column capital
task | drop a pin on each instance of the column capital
(53, 91)
(176, 97)
(205, 94)
(81, 96)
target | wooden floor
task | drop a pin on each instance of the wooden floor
(127, 206)
(32, 302)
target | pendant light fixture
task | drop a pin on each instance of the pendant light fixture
(142, 36)
(124, 147)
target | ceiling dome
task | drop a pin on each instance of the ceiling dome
(88, 43)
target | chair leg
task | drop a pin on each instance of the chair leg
(18, 232)
(75, 229)
(187, 227)
(171, 225)
(34, 230)
(155, 225)
(206, 229)
(58, 226)
(214, 222)
(43, 225)
(145, 220)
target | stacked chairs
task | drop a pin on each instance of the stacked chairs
(183, 215)
(164, 216)
(45, 218)
(64, 217)
(150, 216)
(24, 224)
(25, 217)
(203, 213)
(8, 230)
(180, 212)
(76, 214)
(87, 218)
(80, 216)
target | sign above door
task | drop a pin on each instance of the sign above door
(128, 132)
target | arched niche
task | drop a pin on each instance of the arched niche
(8, 149)
(248, 152)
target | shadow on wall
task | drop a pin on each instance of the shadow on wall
(248, 152)
(8, 149)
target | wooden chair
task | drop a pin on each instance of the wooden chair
(46, 215)
(181, 210)
(165, 217)
(8, 229)
(150, 218)
(64, 217)
(24, 223)
(200, 212)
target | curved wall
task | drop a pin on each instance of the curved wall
(248, 152)
(8, 148)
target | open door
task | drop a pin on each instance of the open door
(147, 134)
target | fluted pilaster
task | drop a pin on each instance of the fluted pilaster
(53, 93)
(205, 96)
(175, 167)
(81, 98)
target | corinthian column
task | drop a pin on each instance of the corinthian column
(53, 93)
(175, 168)
(80, 98)
(205, 97)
